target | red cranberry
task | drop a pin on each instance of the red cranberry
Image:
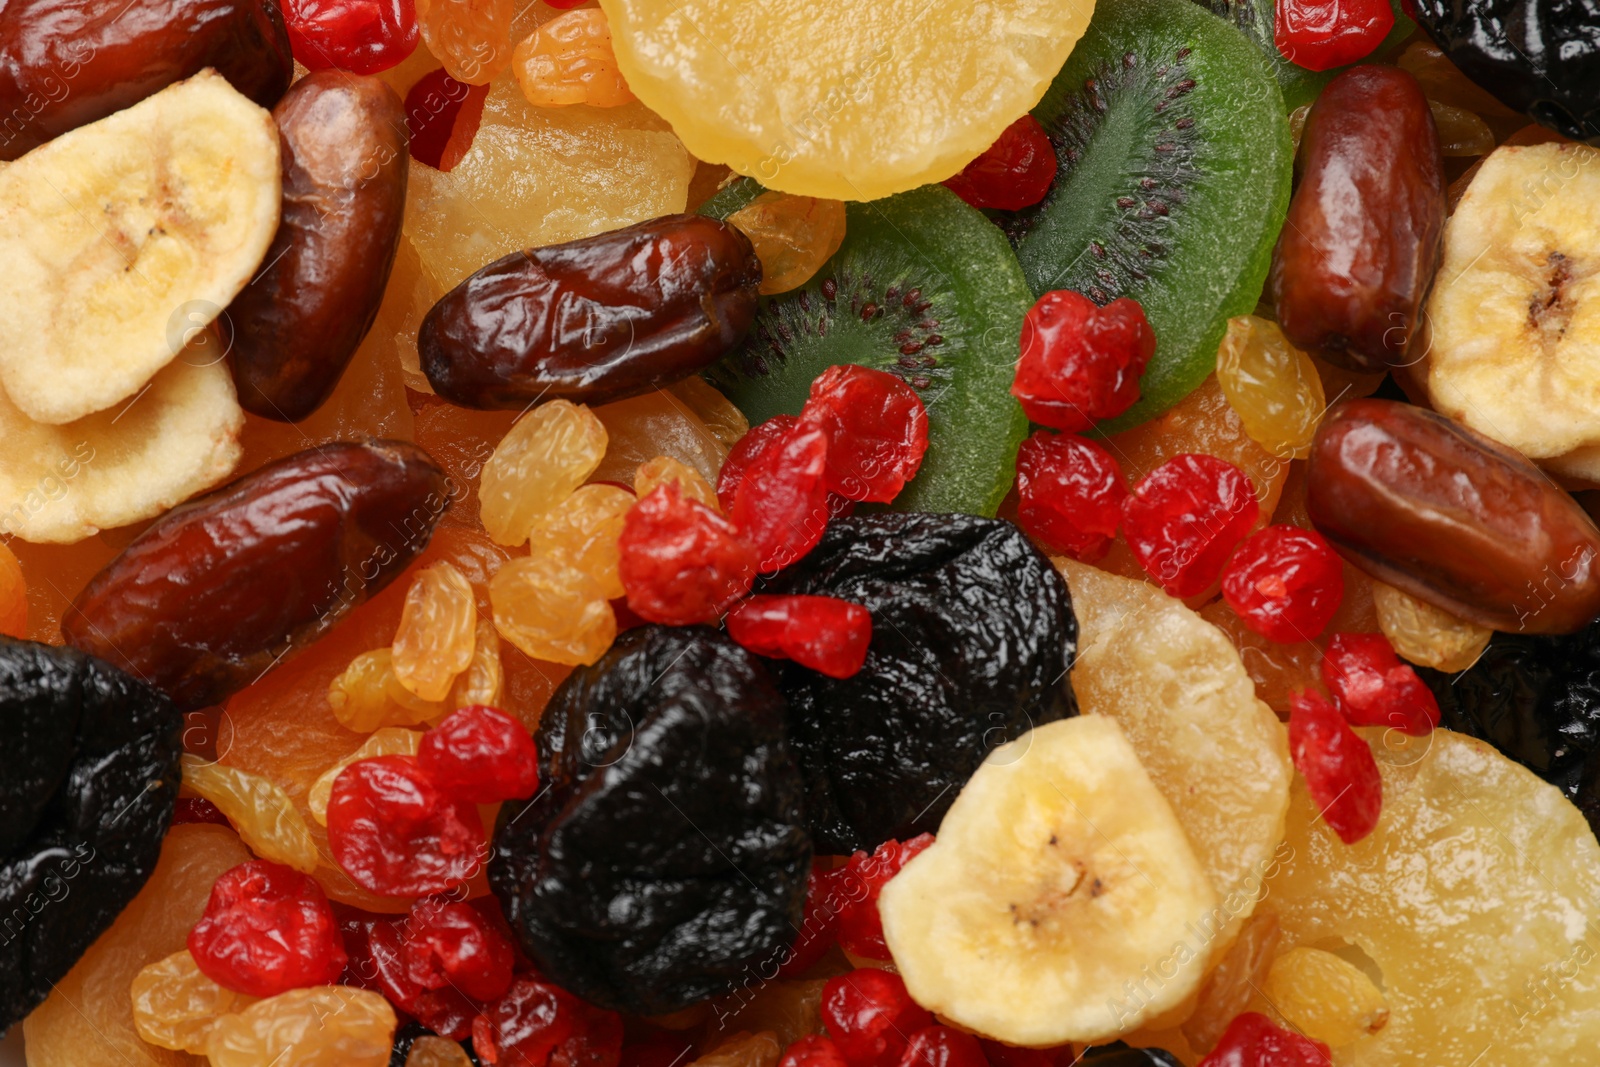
(432, 107)
(1252, 1041)
(781, 504)
(1069, 494)
(379, 961)
(682, 563)
(877, 431)
(537, 1024)
(750, 448)
(870, 1016)
(451, 944)
(395, 833)
(267, 929)
(1340, 773)
(1185, 518)
(480, 755)
(860, 925)
(198, 810)
(1373, 688)
(828, 635)
(1285, 583)
(361, 36)
(818, 922)
(942, 1046)
(813, 1050)
(1081, 363)
(1013, 173)
(1323, 34)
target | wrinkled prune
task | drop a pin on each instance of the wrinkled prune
(972, 638)
(218, 590)
(296, 325)
(66, 63)
(85, 799)
(597, 319)
(666, 857)
(1120, 1055)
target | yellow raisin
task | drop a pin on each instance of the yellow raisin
(793, 236)
(1425, 634)
(1325, 996)
(175, 1006)
(484, 680)
(470, 38)
(261, 811)
(430, 1050)
(691, 483)
(1272, 385)
(1297, 125)
(552, 611)
(389, 741)
(437, 631)
(1229, 987)
(1461, 133)
(583, 533)
(726, 422)
(790, 1009)
(743, 1050)
(569, 60)
(549, 452)
(368, 696)
(323, 1026)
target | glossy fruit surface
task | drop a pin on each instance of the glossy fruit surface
(871, 1017)
(360, 36)
(1325, 997)
(1184, 519)
(537, 465)
(1014, 172)
(258, 808)
(682, 563)
(1338, 767)
(1323, 34)
(781, 506)
(793, 236)
(433, 105)
(13, 595)
(451, 945)
(175, 1006)
(537, 1023)
(859, 882)
(1272, 385)
(943, 1046)
(876, 427)
(1081, 363)
(480, 755)
(267, 929)
(437, 634)
(569, 60)
(825, 634)
(325, 1026)
(1426, 635)
(393, 832)
(1069, 494)
(552, 611)
(1253, 1041)
(1373, 688)
(388, 741)
(813, 1050)
(1285, 583)
(472, 38)
(584, 531)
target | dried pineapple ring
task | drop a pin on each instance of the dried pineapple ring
(898, 94)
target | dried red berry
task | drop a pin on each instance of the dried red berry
(877, 431)
(1340, 773)
(1000, 1055)
(813, 1050)
(1373, 688)
(1252, 1041)
(750, 448)
(870, 1016)
(537, 1024)
(480, 755)
(395, 833)
(1323, 34)
(1185, 518)
(1285, 583)
(1013, 173)
(817, 923)
(1069, 494)
(197, 810)
(361, 36)
(379, 962)
(826, 634)
(1081, 363)
(682, 563)
(781, 504)
(863, 878)
(942, 1046)
(432, 106)
(267, 929)
(451, 944)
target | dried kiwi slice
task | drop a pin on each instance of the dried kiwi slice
(923, 287)
(1175, 168)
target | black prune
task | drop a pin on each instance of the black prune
(665, 859)
(972, 638)
(1120, 1055)
(84, 804)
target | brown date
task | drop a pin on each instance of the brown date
(1425, 504)
(295, 326)
(220, 589)
(593, 320)
(67, 63)
(1361, 243)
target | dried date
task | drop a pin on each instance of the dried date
(1427, 505)
(214, 593)
(296, 325)
(593, 320)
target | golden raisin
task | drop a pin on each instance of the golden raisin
(691, 484)
(389, 741)
(719, 414)
(1325, 996)
(583, 533)
(743, 1050)
(484, 680)
(656, 424)
(261, 811)
(470, 38)
(549, 452)
(368, 696)
(790, 1009)
(1461, 133)
(569, 60)
(552, 611)
(793, 236)
(437, 628)
(430, 1050)
(14, 594)
(1272, 385)
(323, 1026)
(1425, 634)
(175, 1006)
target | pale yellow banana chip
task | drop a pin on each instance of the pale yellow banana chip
(123, 237)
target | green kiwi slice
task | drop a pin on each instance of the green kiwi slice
(923, 287)
(1175, 165)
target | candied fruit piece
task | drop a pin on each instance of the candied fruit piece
(175, 1006)
(861, 880)
(1325, 997)
(583, 532)
(682, 563)
(750, 448)
(548, 453)
(1285, 583)
(1251, 1040)
(537, 1023)
(482, 756)
(820, 632)
(1340, 772)
(393, 832)
(876, 428)
(871, 1017)
(267, 929)
(789, 1010)
(1235, 978)
(432, 105)
(1426, 635)
(793, 236)
(552, 611)
(1461, 133)
(743, 1050)
(725, 421)
(437, 632)
(361, 36)
(13, 595)
(452, 944)
(471, 38)
(781, 504)
(1373, 688)
(1184, 519)
(389, 741)
(1069, 494)
(813, 1050)
(569, 60)
(325, 1026)
(368, 696)
(1013, 173)
(691, 484)
(1272, 385)
(196, 810)
(1081, 362)
(259, 809)
(943, 1046)
(656, 424)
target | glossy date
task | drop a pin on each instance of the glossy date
(296, 325)
(593, 320)
(1428, 506)
(205, 600)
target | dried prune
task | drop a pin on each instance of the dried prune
(218, 590)
(85, 799)
(66, 63)
(593, 320)
(972, 638)
(666, 858)
(295, 326)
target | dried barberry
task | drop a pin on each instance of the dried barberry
(1185, 518)
(1285, 583)
(1013, 173)
(480, 755)
(943, 1046)
(448, 944)
(267, 929)
(1251, 1040)
(394, 832)
(537, 1023)
(1373, 688)
(1069, 494)
(871, 1017)
(781, 505)
(1340, 773)
(681, 562)
(877, 430)
(1080, 362)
